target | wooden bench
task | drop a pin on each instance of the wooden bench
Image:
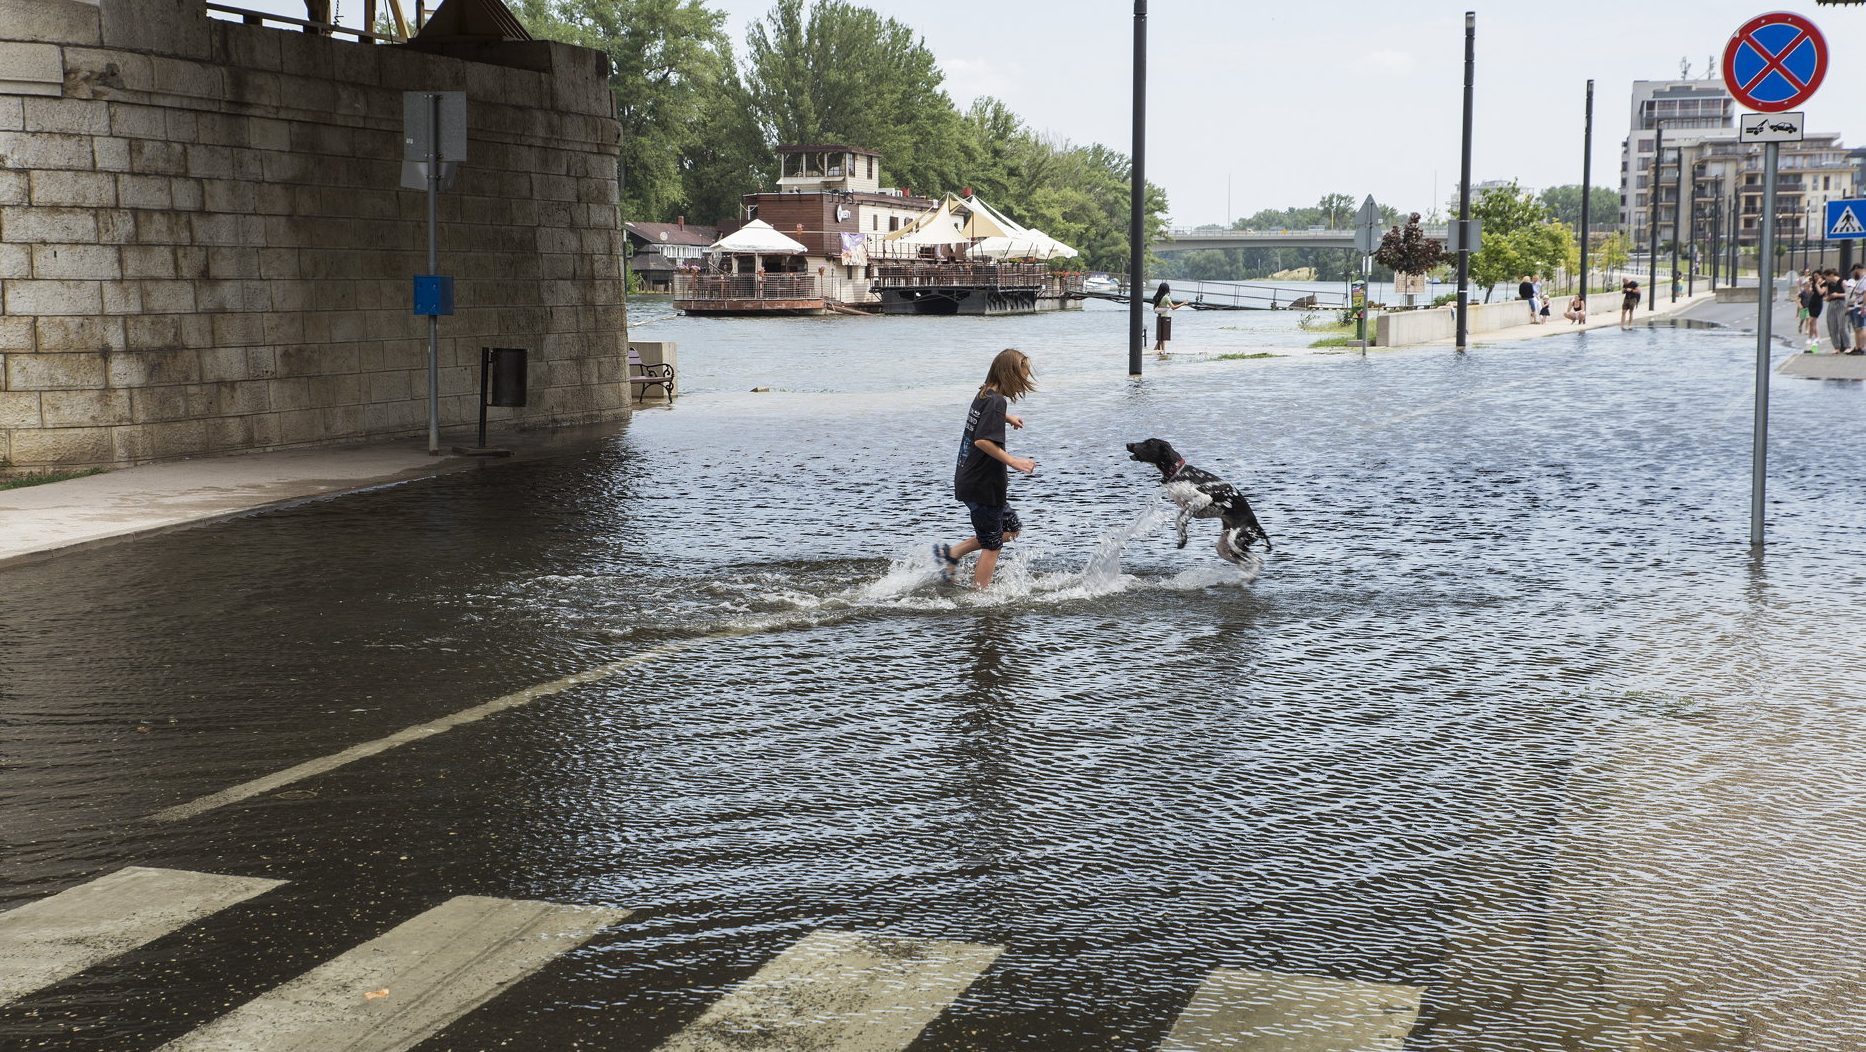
(640, 372)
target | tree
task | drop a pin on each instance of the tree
(1406, 250)
(1337, 211)
(1564, 203)
(668, 60)
(1519, 237)
(844, 74)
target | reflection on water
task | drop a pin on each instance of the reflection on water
(1509, 714)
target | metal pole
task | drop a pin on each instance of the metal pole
(1678, 216)
(1652, 220)
(485, 369)
(1137, 201)
(1736, 235)
(1464, 185)
(1587, 182)
(1716, 235)
(1765, 305)
(434, 266)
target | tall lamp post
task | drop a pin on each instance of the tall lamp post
(1587, 182)
(1678, 215)
(1464, 186)
(1652, 218)
(1137, 195)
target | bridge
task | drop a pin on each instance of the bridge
(1182, 240)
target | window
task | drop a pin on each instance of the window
(871, 167)
(894, 223)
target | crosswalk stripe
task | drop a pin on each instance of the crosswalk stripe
(1242, 1009)
(839, 992)
(399, 989)
(55, 938)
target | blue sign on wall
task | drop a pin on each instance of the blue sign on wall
(1846, 219)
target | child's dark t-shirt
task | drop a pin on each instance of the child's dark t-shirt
(981, 478)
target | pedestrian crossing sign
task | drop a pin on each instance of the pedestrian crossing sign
(1846, 219)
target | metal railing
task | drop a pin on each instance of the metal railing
(259, 18)
(698, 287)
(949, 275)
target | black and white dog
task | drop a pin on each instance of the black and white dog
(1203, 495)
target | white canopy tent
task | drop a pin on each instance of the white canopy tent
(761, 238)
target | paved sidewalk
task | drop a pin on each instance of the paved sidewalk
(1558, 325)
(38, 521)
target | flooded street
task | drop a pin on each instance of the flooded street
(1510, 720)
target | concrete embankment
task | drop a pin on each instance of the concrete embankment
(1509, 320)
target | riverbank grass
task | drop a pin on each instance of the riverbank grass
(43, 477)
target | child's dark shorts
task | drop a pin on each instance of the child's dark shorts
(990, 522)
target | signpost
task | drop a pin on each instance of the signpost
(1366, 237)
(433, 145)
(1846, 219)
(1772, 64)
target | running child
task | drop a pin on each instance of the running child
(980, 480)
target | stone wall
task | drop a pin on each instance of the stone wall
(203, 246)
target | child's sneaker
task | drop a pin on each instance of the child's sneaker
(942, 554)
(1814, 347)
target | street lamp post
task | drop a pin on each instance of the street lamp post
(1587, 181)
(1137, 194)
(1463, 328)
(1678, 215)
(1652, 218)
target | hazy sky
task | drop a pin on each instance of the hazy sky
(1288, 101)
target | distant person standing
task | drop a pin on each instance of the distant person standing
(1526, 291)
(1856, 307)
(1629, 300)
(1834, 304)
(1163, 308)
(1542, 304)
(1811, 303)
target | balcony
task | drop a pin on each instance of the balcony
(746, 293)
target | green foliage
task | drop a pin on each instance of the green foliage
(1519, 237)
(669, 63)
(1611, 253)
(40, 478)
(1564, 203)
(838, 73)
(1332, 212)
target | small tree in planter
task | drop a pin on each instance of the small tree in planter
(1406, 250)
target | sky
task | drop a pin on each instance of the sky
(1255, 104)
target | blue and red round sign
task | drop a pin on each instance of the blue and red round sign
(1775, 62)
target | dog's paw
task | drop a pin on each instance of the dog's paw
(1181, 544)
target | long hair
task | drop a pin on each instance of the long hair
(1010, 375)
(1161, 293)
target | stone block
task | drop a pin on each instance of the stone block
(188, 195)
(12, 114)
(224, 195)
(16, 334)
(264, 133)
(178, 438)
(58, 335)
(18, 408)
(85, 408)
(37, 150)
(15, 261)
(291, 392)
(110, 155)
(31, 69)
(15, 187)
(152, 332)
(152, 157)
(51, 372)
(230, 432)
(54, 297)
(238, 330)
(61, 447)
(190, 261)
(253, 88)
(71, 116)
(115, 226)
(284, 327)
(265, 430)
(171, 402)
(74, 189)
(231, 262)
(241, 398)
(300, 425)
(262, 362)
(329, 391)
(144, 191)
(163, 228)
(224, 363)
(135, 370)
(131, 121)
(92, 262)
(122, 297)
(96, 72)
(51, 21)
(170, 27)
(276, 264)
(168, 297)
(26, 225)
(210, 162)
(190, 79)
(218, 296)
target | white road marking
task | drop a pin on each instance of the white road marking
(44, 942)
(1241, 1009)
(419, 732)
(401, 988)
(839, 992)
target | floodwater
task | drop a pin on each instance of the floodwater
(1510, 715)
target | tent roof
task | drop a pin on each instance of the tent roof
(985, 221)
(759, 236)
(937, 227)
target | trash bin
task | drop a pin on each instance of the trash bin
(508, 376)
